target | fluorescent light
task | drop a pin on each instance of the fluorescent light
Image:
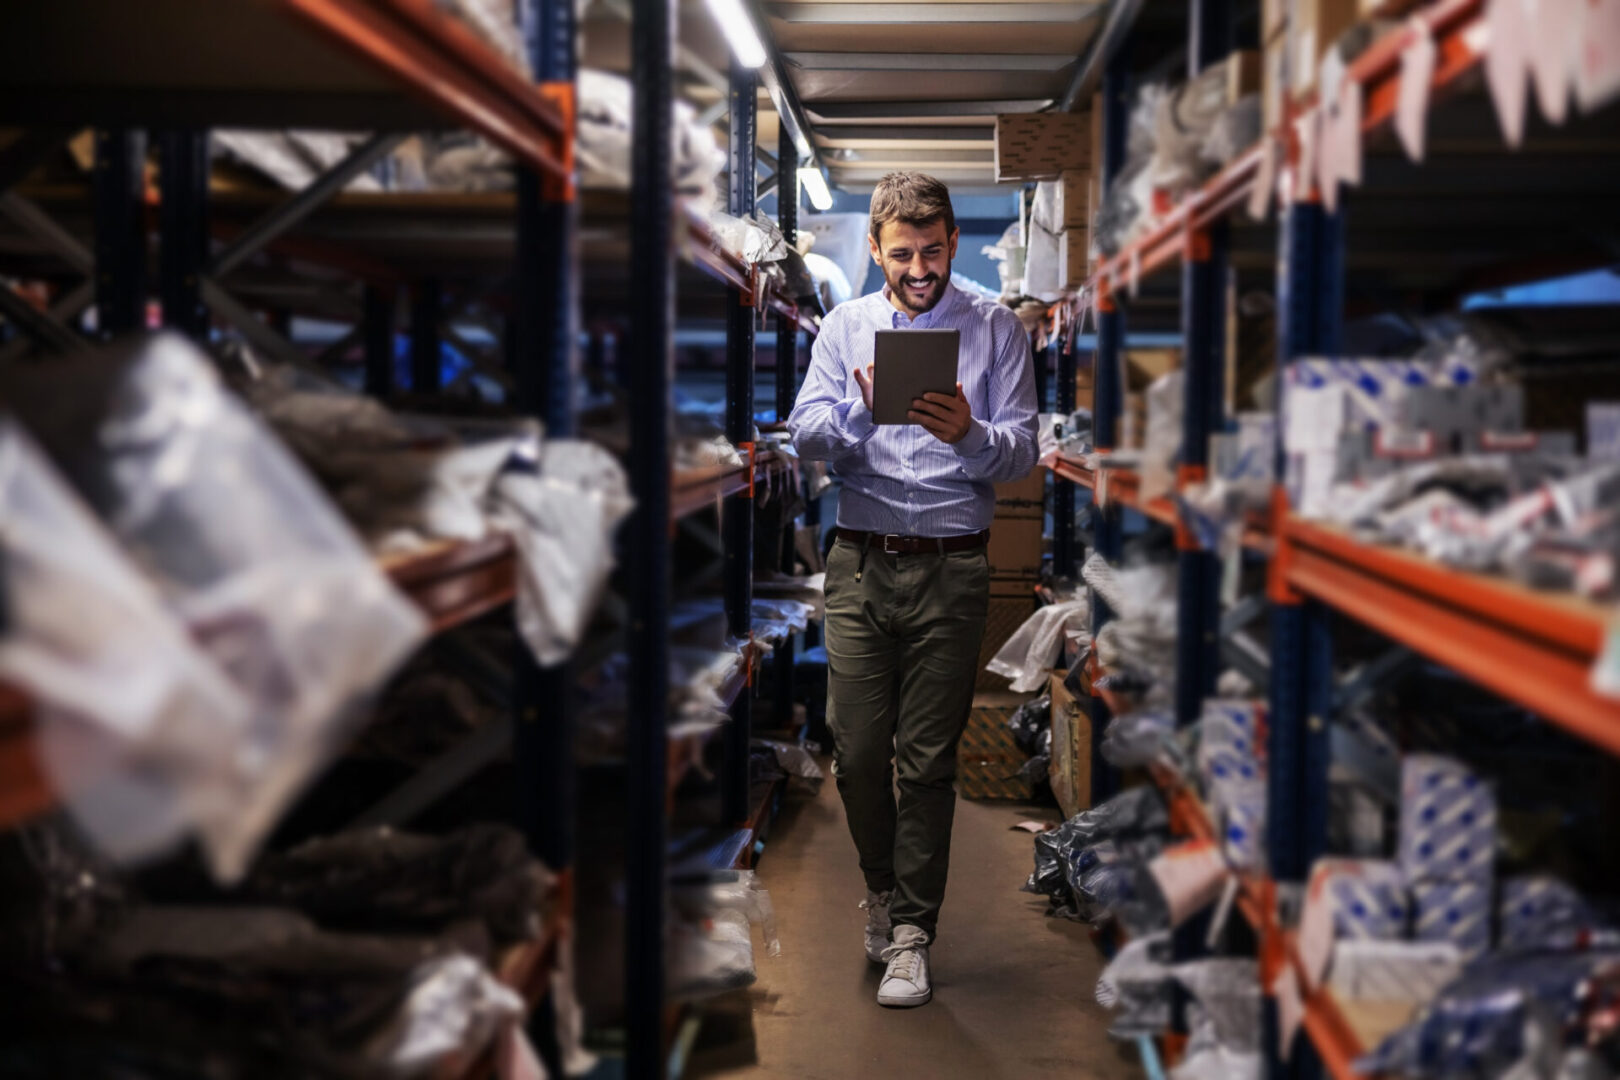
(815, 186)
(739, 30)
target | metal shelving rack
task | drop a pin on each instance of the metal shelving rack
(394, 66)
(1530, 647)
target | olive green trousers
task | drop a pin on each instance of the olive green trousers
(903, 635)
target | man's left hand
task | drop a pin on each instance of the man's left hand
(943, 416)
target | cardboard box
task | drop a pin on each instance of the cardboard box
(1073, 257)
(1313, 27)
(1242, 75)
(1085, 388)
(1070, 771)
(1274, 82)
(1015, 547)
(1024, 498)
(1073, 207)
(1040, 146)
(988, 760)
(1273, 20)
(1012, 601)
(1143, 367)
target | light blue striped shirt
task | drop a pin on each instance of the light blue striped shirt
(899, 478)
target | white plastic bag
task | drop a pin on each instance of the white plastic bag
(1029, 655)
(136, 727)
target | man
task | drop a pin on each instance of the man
(908, 577)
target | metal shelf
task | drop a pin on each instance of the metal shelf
(706, 252)
(363, 64)
(454, 582)
(1122, 486)
(693, 490)
(1328, 1022)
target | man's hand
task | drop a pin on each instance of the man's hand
(944, 417)
(863, 379)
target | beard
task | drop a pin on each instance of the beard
(916, 302)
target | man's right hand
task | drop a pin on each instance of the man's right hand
(863, 379)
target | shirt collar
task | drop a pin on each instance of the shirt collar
(900, 320)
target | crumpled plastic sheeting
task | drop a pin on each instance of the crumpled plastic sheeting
(753, 239)
(1029, 655)
(137, 727)
(247, 552)
(1137, 985)
(604, 139)
(711, 945)
(1136, 740)
(1138, 647)
(562, 521)
(1134, 814)
(795, 759)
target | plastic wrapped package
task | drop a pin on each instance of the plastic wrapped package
(1135, 813)
(711, 945)
(604, 137)
(1029, 720)
(1235, 130)
(562, 520)
(1139, 739)
(1182, 123)
(1223, 1020)
(1035, 647)
(733, 890)
(1041, 271)
(1507, 1012)
(293, 159)
(1138, 985)
(278, 591)
(377, 878)
(754, 239)
(1161, 446)
(794, 758)
(137, 728)
(1008, 253)
(1127, 204)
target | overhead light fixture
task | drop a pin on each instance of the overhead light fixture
(739, 30)
(815, 186)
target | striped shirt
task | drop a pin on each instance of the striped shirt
(898, 478)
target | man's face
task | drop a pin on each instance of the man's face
(915, 262)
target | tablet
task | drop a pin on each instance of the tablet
(909, 364)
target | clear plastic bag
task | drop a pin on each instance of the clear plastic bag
(1137, 984)
(562, 520)
(795, 759)
(1136, 812)
(136, 727)
(1136, 740)
(1161, 446)
(1029, 655)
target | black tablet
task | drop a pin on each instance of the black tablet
(909, 364)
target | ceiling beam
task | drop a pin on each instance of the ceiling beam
(885, 110)
(899, 155)
(932, 14)
(854, 134)
(1121, 17)
(853, 61)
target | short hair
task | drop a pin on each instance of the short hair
(914, 198)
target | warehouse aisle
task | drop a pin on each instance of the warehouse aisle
(1012, 988)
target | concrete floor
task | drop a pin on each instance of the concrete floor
(1012, 988)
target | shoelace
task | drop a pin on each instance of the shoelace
(903, 961)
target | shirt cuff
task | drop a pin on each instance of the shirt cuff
(858, 421)
(977, 437)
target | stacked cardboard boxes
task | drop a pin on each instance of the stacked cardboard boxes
(1016, 548)
(1061, 149)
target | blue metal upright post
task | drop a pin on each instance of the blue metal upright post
(183, 228)
(545, 359)
(1108, 400)
(378, 335)
(1064, 560)
(652, 324)
(427, 304)
(739, 508)
(1310, 290)
(787, 384)
(120, 225)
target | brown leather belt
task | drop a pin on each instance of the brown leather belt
(891, 544)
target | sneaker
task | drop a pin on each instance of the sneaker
(876, 906)
(905, 983)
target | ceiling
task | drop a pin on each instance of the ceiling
(917, 84)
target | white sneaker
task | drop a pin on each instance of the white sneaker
(876, 906)
(905, 983)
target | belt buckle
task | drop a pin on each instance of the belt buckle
(887, 550)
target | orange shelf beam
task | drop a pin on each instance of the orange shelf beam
(1123, 486)
(444, 63)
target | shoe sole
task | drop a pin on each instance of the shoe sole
(905, 1002)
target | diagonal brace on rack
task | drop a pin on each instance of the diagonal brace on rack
(49, 328)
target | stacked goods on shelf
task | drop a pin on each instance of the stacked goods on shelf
(1056, 151)
(1015, 552)
(1178, 137)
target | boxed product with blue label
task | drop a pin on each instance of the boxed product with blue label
(1458, 911)
(1410, 972)
(1350, 899)
(1447, 821)
(1240, 812)
(1248, 451)
(1229, 740)
(1540, 911)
